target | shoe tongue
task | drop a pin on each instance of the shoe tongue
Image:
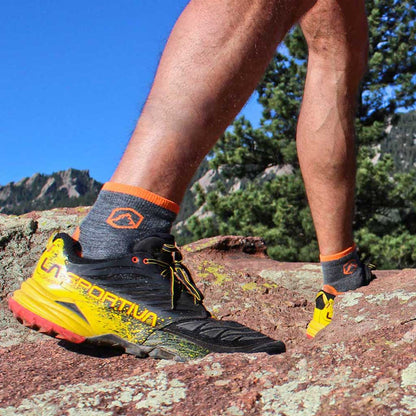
(153, 243)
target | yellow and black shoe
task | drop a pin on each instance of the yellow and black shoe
(322, 315)
(145, 303)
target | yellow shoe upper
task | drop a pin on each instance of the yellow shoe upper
(322, 314)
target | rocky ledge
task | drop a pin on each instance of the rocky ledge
(362, 364)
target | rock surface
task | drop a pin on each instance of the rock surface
(362, 364)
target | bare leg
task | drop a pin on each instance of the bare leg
(336, 33)
(216, 54)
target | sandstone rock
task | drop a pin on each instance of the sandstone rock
(42, 191)
(362, 364)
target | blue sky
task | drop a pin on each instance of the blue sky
(73, 77)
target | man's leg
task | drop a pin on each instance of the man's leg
(336, 33)
(215, 56)
(140, 296)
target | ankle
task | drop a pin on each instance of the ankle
(343, 271)
(122, 215)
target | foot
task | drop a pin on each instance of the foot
(322, 315)
(145, 303)
(324, 304)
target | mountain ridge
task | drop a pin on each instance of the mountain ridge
(66, 188)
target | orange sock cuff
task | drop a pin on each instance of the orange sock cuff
(142, 193)
(76, 234)
(336, 256)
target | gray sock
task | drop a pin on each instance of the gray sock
(345, 273)
(121, 215)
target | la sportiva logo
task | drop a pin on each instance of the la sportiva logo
(350, 267)
(127, 218)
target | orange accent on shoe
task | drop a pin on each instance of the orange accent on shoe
(31, 320)
(125, 218)
(142, 193)
(76, 234)
(336, 256)
(331, 290)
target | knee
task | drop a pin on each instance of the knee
(336, 33)
(349, 58)
(347, 55)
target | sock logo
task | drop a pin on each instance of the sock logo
(350, 267)
(126, 218)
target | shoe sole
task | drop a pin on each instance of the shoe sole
(42, 325)
(313, 329)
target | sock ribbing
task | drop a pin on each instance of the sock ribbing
(143, 194)
(339, 255)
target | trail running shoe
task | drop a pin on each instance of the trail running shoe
(145, 303)
(324, 306)
(322, 315)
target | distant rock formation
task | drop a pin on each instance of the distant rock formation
(67, 188)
